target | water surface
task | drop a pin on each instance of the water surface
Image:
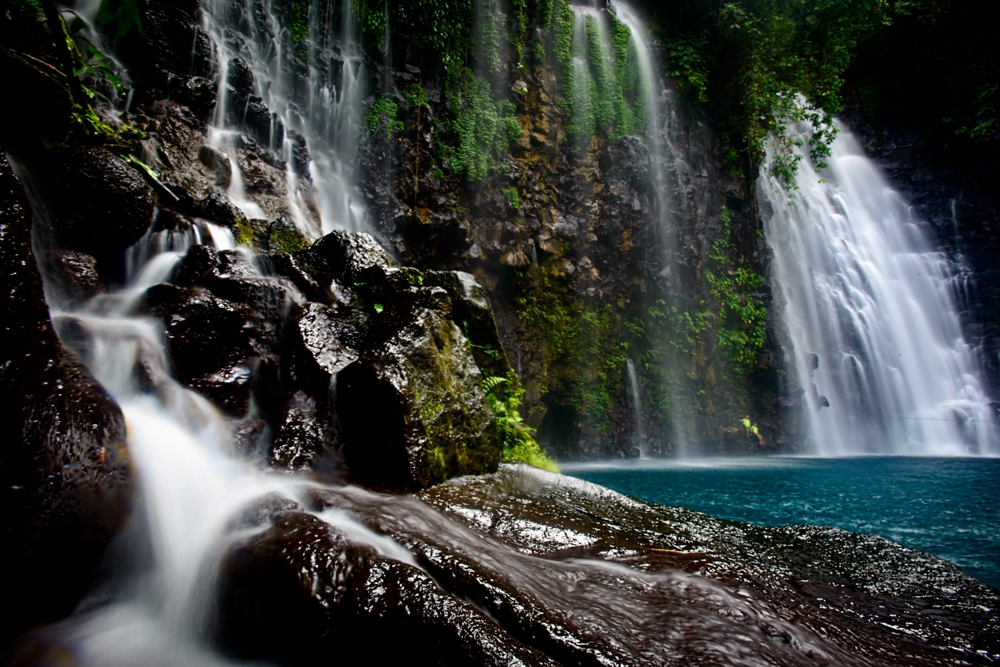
(949, 507)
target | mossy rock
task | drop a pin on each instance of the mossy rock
(411, 410)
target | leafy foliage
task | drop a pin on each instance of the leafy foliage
(602, 84)
(749, 60)
(742, 314)
(483, 128)
(504, 395)
(383, 113)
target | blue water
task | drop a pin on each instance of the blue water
(949, 507)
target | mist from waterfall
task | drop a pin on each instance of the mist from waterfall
(870, 309)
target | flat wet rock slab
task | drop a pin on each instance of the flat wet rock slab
(588, 576)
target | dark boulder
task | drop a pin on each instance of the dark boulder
(95, 202)
(44, 114)
(342, 256)
(302, 589)
(305, 432)
(197, 93)
(286, 266)
(217, 208)
(70, 277)
(65, 486)
(411, 409)
(472, 311)
(239, 78)
(215, 345)
(275, 236)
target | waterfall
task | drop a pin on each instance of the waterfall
(633, 384)
(310, 74)
(192, 481)
(870, 308)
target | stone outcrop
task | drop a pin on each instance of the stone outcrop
(411, 408)
(65, 483)
(94, 201)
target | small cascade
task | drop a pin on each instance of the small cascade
(308, 71)
(193, 482)
(870, 307)
(633, 385)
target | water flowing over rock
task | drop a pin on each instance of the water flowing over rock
(870, 309)
(63, 467)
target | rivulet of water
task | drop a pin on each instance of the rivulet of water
(870, 308)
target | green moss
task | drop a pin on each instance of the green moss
(513, 198)
(243, 233)
(603, 90)
(583, 347)
(742, 314)
(483, 129)
(384, 112)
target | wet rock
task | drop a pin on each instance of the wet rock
(276, 236)
(249, 435)
(65, 486)
(214, 344)
(331, 337)
(94, 201)
(306, 430)
(342, 256)
(197, 93)
(217, 208)
(263, 125)
(302, 588)
(411, 410)
(170, 44)
(472, 311)
(239, 76)
(286, 266)
(71, 277)
(44, 114)
(197, 267)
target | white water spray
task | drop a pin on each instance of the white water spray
(870, 308)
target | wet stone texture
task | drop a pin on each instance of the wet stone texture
(95, 202)
(301, 589)
(411, 409)
(65, 483)
(588, 576)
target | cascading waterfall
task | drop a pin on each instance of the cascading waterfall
(870, 309)
(192, 481)
(311, 77)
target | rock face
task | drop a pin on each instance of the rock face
(588, 269)
(411, 409)
(66, 486)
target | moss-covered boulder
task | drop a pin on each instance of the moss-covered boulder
(411, 409)
(471, 310)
